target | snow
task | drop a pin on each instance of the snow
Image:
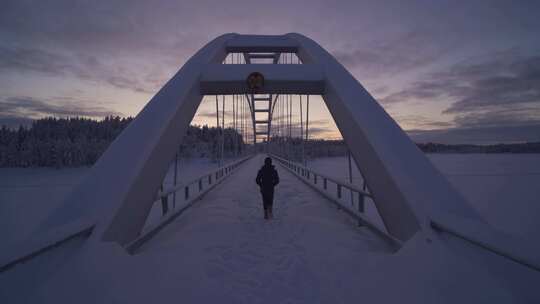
(188, 169)
(500, 186)
(503, 188)
(245, 259)
(222, 250)
(19, 284)
(28, 195)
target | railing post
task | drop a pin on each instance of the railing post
(175, 178)
(338, 188)
(209, 179)
(350, 175)
(200, 185)
(164, 204)
(314, 178)
(325, 183)
(361, 199)
(186, 193)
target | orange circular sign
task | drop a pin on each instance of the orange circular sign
(255, 81)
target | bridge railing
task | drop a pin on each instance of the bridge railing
(183, 195)
(31, 248)
(348, 197)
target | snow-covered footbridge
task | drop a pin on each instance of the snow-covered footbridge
(404, 235)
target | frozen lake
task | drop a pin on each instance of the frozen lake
(28, 195)
(505, 188)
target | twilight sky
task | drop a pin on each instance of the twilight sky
(447, 71)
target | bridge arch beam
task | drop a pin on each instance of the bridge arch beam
(407, 188)
(123, 183)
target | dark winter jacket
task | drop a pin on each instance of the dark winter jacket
(267, 178)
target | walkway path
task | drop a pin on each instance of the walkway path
(303, 255)
(220, 251)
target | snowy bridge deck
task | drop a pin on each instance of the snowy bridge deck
(222, 249)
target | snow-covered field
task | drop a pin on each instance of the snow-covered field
(28, 195)
(503, 187)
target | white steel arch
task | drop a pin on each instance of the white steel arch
(408, 191)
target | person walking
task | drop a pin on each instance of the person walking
(267, 179)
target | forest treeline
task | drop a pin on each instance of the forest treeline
(74, 142)
(530, 147)
(330, 148)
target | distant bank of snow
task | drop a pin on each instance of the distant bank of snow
(504, 188)
(27, 195)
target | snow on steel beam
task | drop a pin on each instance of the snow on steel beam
(261, 44)
(406, 187)
(278, 79)
(120, 189)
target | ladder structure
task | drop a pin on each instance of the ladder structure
(261, 115)
(261, 105)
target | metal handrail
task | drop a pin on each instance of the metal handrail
(85, 228)
(478, 234)
(483, 236)
(335, 180)
(219, 173)
(362, 219)
(37, 247)
(212, 172)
